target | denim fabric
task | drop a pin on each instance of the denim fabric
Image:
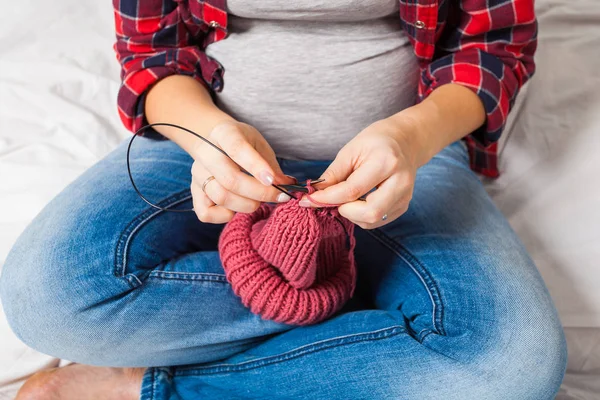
(448, 304)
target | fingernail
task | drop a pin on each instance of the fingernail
(282, 198)
(304, 203)
(266, 178)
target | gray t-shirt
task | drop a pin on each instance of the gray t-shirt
(311, 74)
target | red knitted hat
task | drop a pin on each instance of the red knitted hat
(290, 264)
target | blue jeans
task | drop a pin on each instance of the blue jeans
(448, 304)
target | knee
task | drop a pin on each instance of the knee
(33, 296)
(542, 361)
(518, 356)
(50, 317)
(529, 364)
(47, 301)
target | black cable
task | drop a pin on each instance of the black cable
(143, 128)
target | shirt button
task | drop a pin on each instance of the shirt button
(214, 24)
(419, 24)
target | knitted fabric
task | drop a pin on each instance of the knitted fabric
(290, 264)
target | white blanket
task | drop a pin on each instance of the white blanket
(550, 186)
(58, 85)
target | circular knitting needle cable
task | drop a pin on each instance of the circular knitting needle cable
(143, 128)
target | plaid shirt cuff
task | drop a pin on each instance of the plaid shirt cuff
(496, 86)
(487, 76)
(140, 73)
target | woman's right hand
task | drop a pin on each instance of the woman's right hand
(232, 190)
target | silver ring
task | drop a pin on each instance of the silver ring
(210, 178)
(384, 217)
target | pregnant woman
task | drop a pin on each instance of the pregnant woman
(409, 97)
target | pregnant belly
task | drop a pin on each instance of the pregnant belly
(310, 87)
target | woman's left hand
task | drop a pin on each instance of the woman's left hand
(380, 156)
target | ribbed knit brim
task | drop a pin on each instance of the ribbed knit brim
(290, 264)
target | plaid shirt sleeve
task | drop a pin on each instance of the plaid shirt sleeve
(487, 46)
(153, 41)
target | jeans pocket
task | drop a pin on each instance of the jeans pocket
(122, 266)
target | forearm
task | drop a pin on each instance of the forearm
(181, 100)
(448, 114)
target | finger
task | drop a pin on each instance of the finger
(224, 198)
(212, 193)
(268, 154)
(391, 217)
(207, 211)
(229, 176)
(340, 169)
(391, 199)
(360, 182)
(232, 140)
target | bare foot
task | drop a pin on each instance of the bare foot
(83, 382)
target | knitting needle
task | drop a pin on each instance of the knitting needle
(303, 189)
(300, 187)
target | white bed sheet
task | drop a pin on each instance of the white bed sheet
(550, 183)
(58, 85)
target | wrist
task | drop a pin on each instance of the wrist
(212, 116)
(449, 113)
(411, 132)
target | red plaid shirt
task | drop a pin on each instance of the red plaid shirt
(485, 45)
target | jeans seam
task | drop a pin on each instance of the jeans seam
(423, 333)
(294, 353)
(421, 272)
(154, 382)
(148, 385)
(187, 276)
(121, 252)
